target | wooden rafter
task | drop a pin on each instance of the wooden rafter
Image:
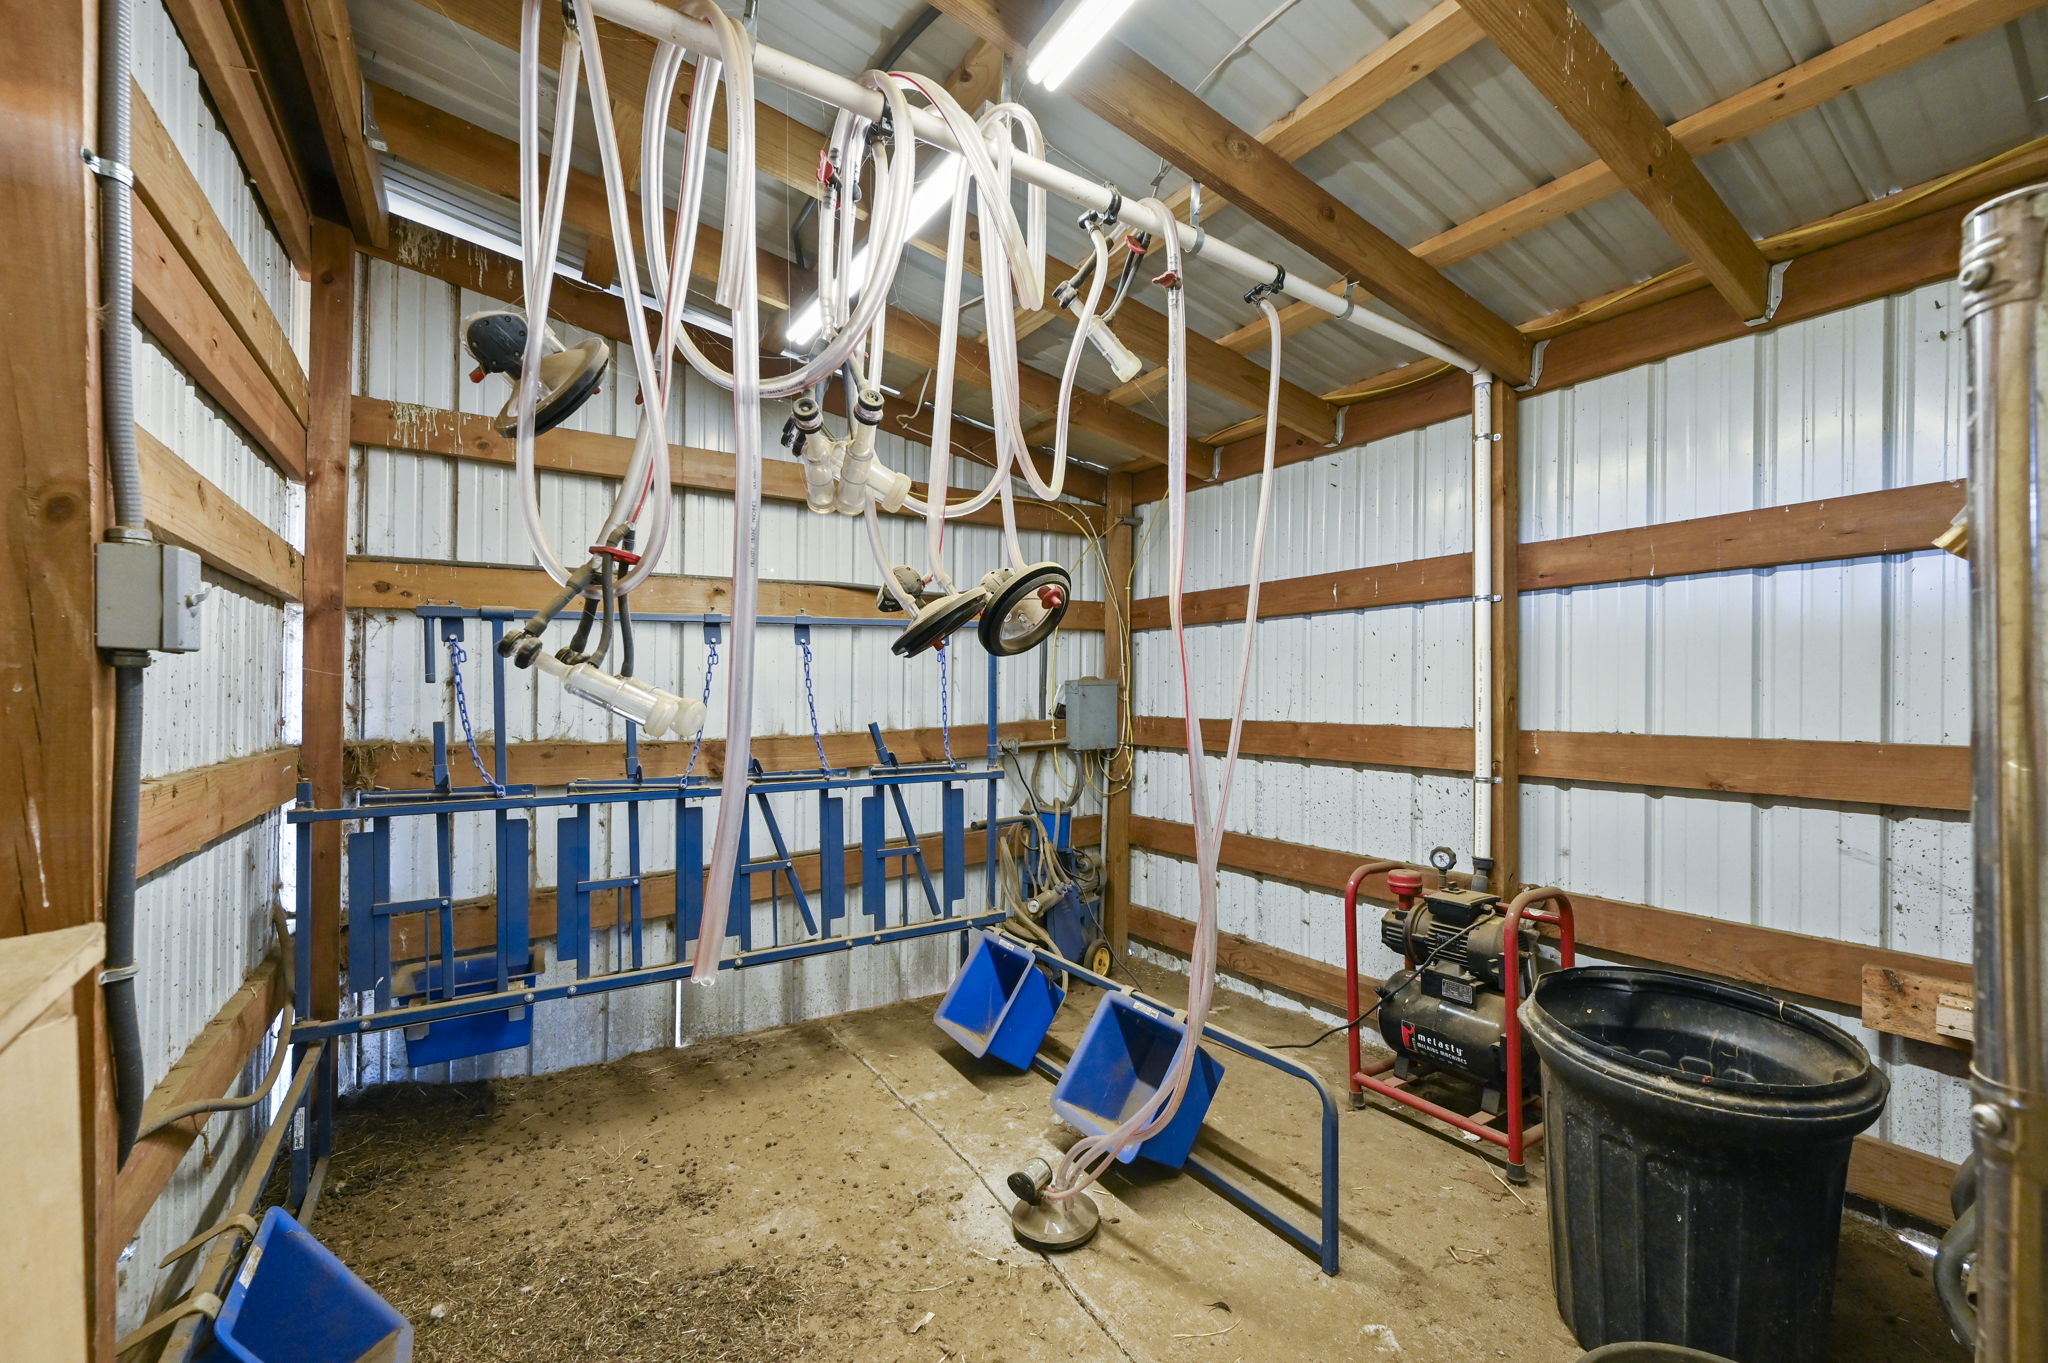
(978, 79)
(1552, 46)
(326, 42)
(1132, 94)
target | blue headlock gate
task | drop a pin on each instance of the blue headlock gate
(454, 1003)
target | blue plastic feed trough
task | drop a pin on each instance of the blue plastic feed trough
(1000, 1004)
(1121, 1062)
(435, 1043)
(292, 1301)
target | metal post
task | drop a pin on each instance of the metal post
(2003, 248)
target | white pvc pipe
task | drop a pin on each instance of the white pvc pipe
(794, 73)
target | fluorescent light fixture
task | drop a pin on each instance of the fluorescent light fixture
(1070, 36)
(931, 195)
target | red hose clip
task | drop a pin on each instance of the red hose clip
(1133, 245)
(625, 556)
(1169, 280)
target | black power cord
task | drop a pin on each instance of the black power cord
(1414, 975)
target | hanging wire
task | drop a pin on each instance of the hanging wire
(710, 666)
(457, 656)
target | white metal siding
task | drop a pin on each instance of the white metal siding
(1866, 650)
(435, 507)
(203, 922)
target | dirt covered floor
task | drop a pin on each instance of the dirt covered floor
(834, 1191)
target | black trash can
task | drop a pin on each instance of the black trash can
(1696, 1145)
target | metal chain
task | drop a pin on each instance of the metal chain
(457, 656)
(710, 666)
(803, 641)
(945, 705)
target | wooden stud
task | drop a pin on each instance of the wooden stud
(324, 666)
(405, 584)
(1504, 681)
(1117, 551)
(1138, 98)
(326, 41)
(185, 508)
(53, 719)
(233, 76)
(184, 812)
(181, 316)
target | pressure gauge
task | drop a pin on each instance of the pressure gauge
(1443, 858)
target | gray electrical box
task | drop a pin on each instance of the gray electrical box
(1090, 707)
(149, 597)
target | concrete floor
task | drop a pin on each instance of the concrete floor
(833, 1190)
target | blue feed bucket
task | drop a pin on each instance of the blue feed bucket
(1121, 1062)
(292, 1301)
(1000, 1004)
(435, 1043)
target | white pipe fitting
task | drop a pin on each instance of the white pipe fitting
(659, 713)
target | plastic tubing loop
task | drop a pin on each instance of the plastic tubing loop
(1087, 1159)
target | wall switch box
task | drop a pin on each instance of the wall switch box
(1090, 709)
(148, 597)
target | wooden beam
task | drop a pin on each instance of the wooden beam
(327, 49)
(208, 1069)
(1371, 745)
(403, 584)
(1891, 521)
(553, 762)
(185, 508)
(1418, 50)
(1552, 46)
(1130, 93)
(978, 79)
(174, 307)
(1879, 52)
(324, 664)
(167, 186)
(1929, 1008)
(1886, 1173)
(435, 430)
(233, 78)
(183, 813)
(52, 684)
(1911, 775)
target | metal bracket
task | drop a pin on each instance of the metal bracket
(1350, 302)
(1259, 292)
(1774, 294)
(1535, 366)
(105, 169)
(118, 974)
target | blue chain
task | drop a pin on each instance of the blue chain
(457, 656)
(803, 641)
(710, 666)
(945, 705)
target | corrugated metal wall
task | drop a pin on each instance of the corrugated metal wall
(204, 920)
(438, 508)
(1871, 649)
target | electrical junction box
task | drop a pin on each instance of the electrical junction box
(1090, 708)
(149, 597)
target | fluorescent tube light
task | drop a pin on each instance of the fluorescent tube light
(933, 192)
(1072, 34)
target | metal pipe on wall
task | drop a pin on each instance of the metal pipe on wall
(2004, 259)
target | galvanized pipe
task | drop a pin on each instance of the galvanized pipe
(2004, 245)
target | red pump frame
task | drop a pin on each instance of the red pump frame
(1518, 1136)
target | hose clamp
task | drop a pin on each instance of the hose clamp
(1201, 240)
(1258, 293)
(106, 169)
(1350, 300)
(1105, 219)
